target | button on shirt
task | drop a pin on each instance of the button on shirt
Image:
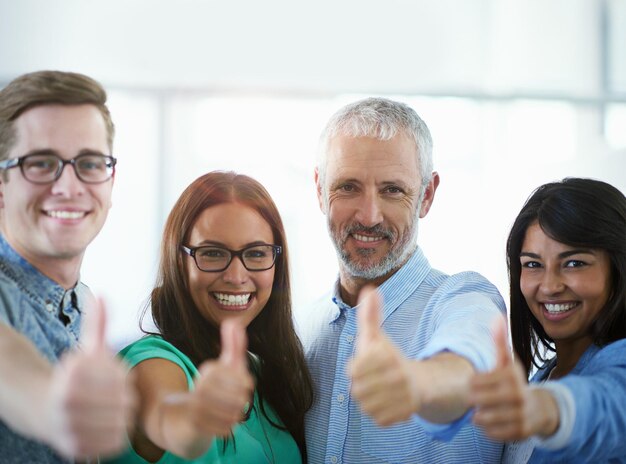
(50, 317)
(425, 312)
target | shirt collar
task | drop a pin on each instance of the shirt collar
(542, 375)
(394, 290)
(36, 285)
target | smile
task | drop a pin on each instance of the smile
(366, 238)
(228, 299)
(555, 308)
(66, 214)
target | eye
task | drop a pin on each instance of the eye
(347, 188)
(92, 163)
(393, 190)
(258, 253)
(575, 263)
(41, 163)
(211, 253)
(531, 264)
(255, 253)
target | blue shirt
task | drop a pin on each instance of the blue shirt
(592, 410)
(425, 312)
(32, 304)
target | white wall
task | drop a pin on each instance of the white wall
(396, 46)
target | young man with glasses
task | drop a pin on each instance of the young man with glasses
(56, 178)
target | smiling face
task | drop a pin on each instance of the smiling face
(371, 198)
(234, 292)
(565, 287)
(51, 225)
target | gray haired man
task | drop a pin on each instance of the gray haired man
(391, 376)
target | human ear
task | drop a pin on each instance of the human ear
(429, 194)
(319, 191)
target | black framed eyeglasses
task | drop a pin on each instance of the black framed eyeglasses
(217, 258)
(45, 168)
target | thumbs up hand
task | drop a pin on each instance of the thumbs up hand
(224, 387)
(382, 377)
(506, 407)
(93, 333)
(89, 401)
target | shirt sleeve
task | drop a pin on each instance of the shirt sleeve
(567, 414)
(596, 415)
(461, 315)
(155, 347)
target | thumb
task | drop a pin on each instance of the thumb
(94, 327)
(369, 313)
(500, 339)
(234, 344)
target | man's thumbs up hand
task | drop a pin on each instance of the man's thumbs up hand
(382, 378)
(93, 333)
(504, 356)
(368, 317)
(90, 402)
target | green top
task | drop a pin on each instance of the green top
(255, 441)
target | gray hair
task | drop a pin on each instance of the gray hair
(382, 119)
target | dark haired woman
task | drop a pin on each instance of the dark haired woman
(567, 266)
(224, 266)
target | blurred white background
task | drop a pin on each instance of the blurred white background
(515, 92)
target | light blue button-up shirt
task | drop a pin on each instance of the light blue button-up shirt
(425, 312)
(32, 304)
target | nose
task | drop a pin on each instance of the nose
(68, 184)
(552, 282)
(235, 273)
(369, 211)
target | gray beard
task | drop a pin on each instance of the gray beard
(402, 248)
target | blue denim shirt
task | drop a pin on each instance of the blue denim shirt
(592, 417)
(32, 304)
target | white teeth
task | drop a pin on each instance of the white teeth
(558, 308)
(365, 238)
(228, 299)
(66, 214)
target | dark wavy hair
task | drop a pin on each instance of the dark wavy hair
(283, 379)
(580, 213)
